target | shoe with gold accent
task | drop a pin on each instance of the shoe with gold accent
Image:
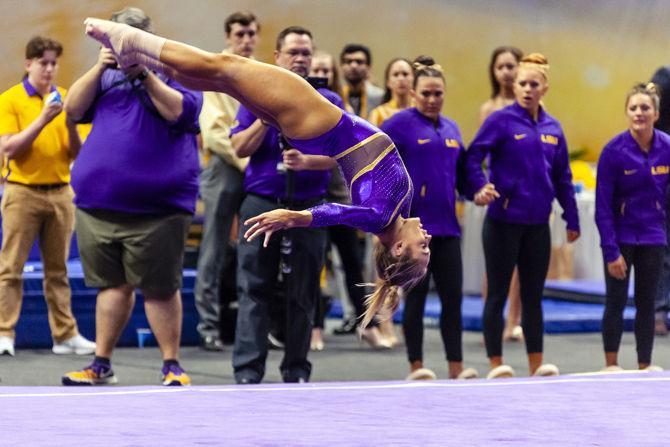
(94, 374)
(174, 375)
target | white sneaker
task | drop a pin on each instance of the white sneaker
(421, 374)
(74, 345)
(6, 346)
(467, 374)
(612, 369)
(501, 372)
(653, 368)
(547, 370)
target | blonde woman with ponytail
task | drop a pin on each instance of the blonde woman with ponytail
(528, 168)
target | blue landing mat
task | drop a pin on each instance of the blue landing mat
(33, 330)
(559, 316)
(581, 290)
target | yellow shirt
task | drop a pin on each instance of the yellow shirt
(47, 161)
(217, 118)
(383, 112)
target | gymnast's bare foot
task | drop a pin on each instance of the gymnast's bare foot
(124, 40)
(110, 34)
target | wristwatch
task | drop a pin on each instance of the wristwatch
(143, 75)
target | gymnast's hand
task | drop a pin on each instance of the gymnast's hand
(617, 268)
(486, 195)
(275, 220)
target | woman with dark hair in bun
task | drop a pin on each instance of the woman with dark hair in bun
(528, 168)
(630, 213)
(430, 145)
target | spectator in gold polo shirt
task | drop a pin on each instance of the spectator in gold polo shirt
(37, 145)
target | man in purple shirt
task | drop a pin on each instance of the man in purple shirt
(135, 183)
(271, 182)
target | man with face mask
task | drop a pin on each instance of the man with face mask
(39, 144)
(266, 189)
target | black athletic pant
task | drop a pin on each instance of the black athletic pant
(447, 270)
(647, 262)
(507, 245)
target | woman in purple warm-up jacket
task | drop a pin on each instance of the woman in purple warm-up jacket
(529, 167)
(630, 214)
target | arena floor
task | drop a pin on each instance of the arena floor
(357, 397)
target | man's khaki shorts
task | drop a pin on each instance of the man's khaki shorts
(146, 252)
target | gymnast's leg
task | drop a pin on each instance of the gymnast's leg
(272, 93)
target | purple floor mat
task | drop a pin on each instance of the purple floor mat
(611, 410)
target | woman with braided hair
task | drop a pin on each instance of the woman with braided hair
(528, 168)
(631, 195)
(381, 190)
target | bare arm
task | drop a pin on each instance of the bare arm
(82, 93)
(15, 145)
(73, 138)
(275, 220)
(168, 101)
(249, 140)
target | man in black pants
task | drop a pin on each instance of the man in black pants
(259, 267)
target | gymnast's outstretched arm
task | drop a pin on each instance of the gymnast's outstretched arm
(275, 94)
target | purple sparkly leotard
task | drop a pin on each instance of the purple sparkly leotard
(375, 174)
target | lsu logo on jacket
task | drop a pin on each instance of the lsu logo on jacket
(550, 139)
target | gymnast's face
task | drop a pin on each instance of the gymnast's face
(428, 96)
(529, 88)
(505, 68)
(295, 54)
(641, 113)
(412, 237)
(242, 39)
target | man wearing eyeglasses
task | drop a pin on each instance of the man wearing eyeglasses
(299, 251)
(221, 190)
(359, 92)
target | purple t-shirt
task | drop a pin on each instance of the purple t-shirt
(263, 176)
(133, 160)
(430, 151)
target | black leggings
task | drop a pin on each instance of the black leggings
(447, 270)
(646, 260)
(507, 245)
